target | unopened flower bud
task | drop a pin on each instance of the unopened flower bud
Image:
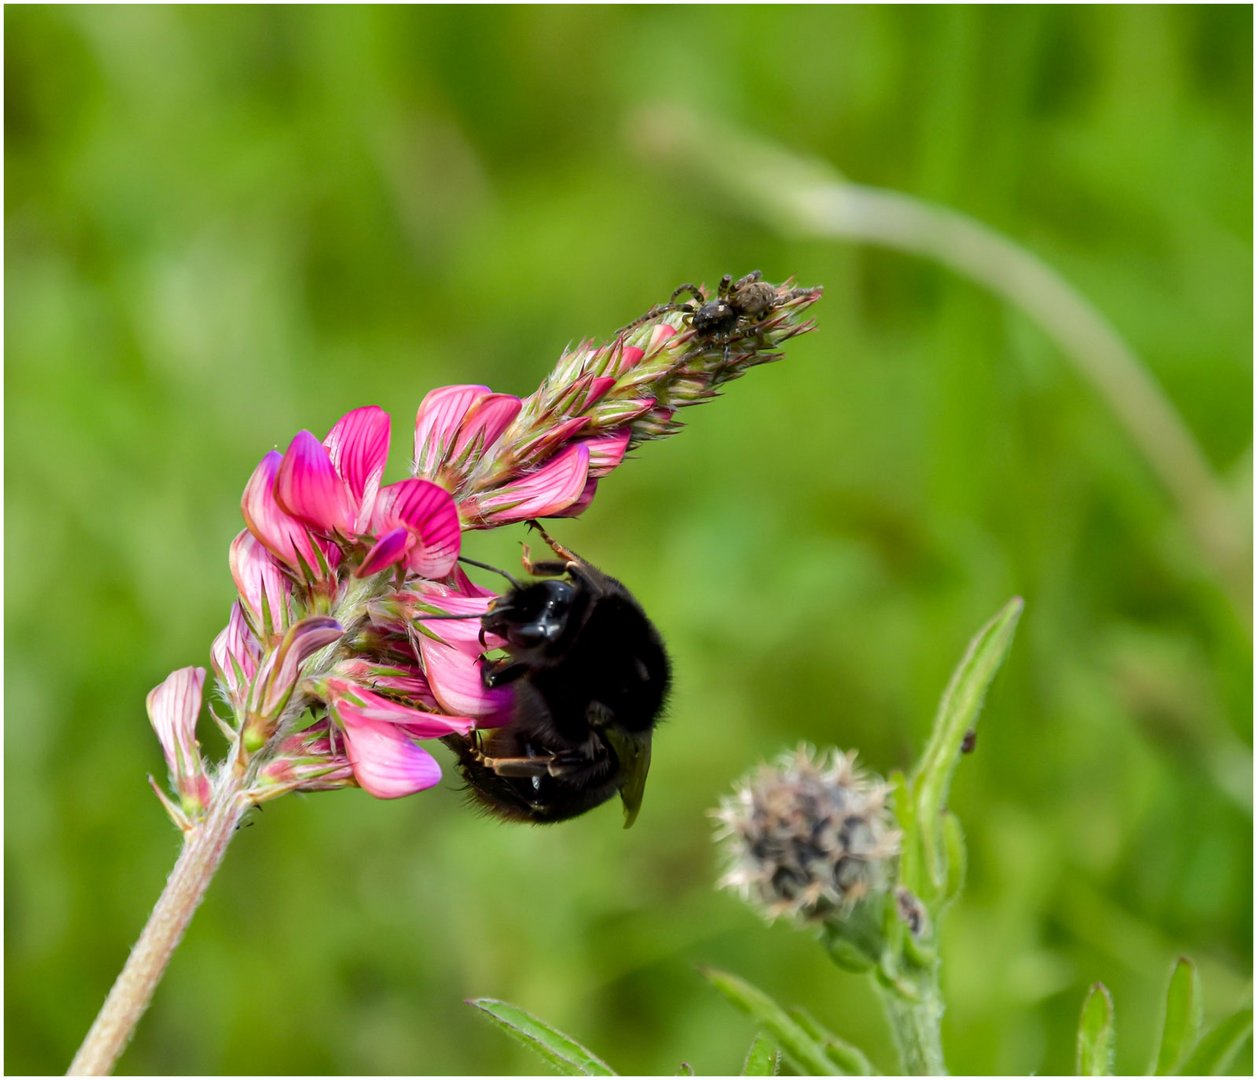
(809, 837)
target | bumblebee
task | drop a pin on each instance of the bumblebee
(590, 675)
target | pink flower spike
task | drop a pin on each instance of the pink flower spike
(607, 451)
(437, 422)
(553, 487)
(309, 488)
(173, 708)
(358, 448)
(280, 533)
(263, 587)
(385, 762)
(388, 550)
(429, 512)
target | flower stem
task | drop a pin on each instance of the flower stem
(203, 850)
(916, 1025)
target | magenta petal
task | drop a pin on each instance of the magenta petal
(385, 762)
(358, 448)
(281, 534)
(581, 504)
(437, 422)
(235, 655)
(607, 451)
(263, 587)
(598, 387)
(310, 489)
(485, 421)
(388, 550)
(454, 675)
(553, 487)
(431, 515)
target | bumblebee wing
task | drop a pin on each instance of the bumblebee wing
(633, 750)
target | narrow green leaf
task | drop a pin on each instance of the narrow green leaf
(845, 1057)
(957, 713)
(1184, 1011)
(1095, 1033)
(1219, 1045)
(762, 1058)
(561, 1052)
(804, 1053)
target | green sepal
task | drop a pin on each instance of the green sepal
(1095, 1033)
(763, 1058)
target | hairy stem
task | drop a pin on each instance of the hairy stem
(203, 850)
(916, 1024)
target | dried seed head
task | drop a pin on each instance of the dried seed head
(808, 837)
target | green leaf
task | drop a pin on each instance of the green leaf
(762, 1058)
(1095, 1033)
(1216, 1050)
(845, 1057)
(804, 1053)
(561, 1052)
(957, 713)
(1184, 1011)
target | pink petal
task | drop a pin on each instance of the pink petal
(485, 421)
(351, 699)
(173, 708)
(553, 487)
(607, 451)
(388, 550)
(358, 448)
(281, 534)
(263, 587)
(437, 423)
(283, 668)
(598, 387)
(385, 762)
(235, 655)
(309, 488)
(454, 675)
(431, 515)
(630, 356)
(581, 504)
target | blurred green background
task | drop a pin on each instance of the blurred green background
(225, 224)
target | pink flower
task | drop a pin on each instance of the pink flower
(379, 738)
(321, 496)
(173, 708)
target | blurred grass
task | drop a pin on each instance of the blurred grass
(224, 224)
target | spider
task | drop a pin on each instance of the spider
(737, 307)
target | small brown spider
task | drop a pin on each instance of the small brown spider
(739, 306)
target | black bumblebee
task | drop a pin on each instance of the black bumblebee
(590, 675)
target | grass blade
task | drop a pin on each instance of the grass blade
(1217, 1049)
(803, 1052)
(560, 1051)
(1184, 1011)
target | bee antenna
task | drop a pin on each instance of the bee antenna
(493, 569)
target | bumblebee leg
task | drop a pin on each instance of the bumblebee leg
(555, 546)
(502, 672)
